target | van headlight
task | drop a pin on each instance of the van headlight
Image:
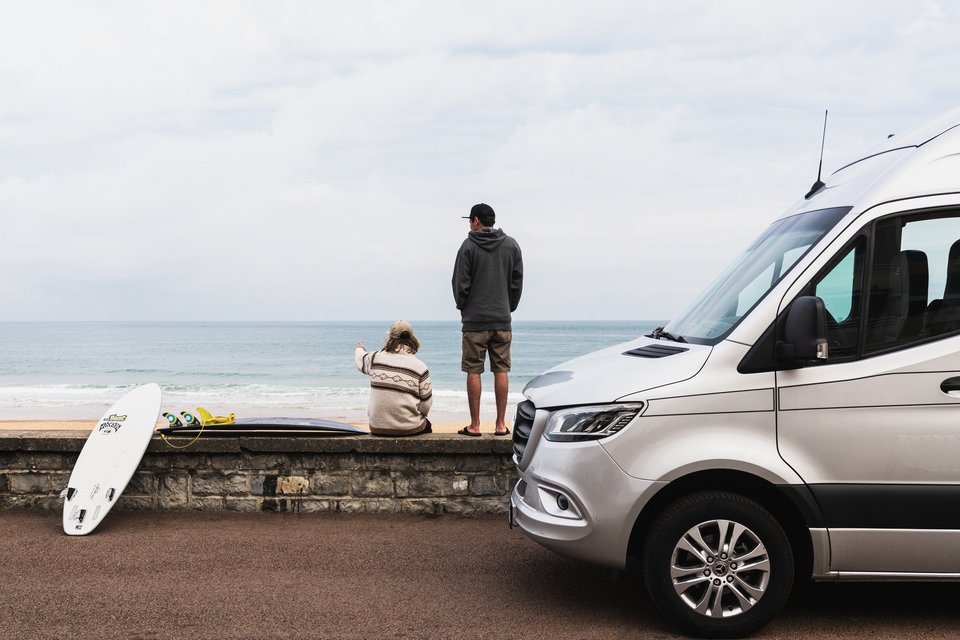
(590, 423)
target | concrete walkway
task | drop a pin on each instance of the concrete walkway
(148, 575)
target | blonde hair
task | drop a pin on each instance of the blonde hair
(401, 335)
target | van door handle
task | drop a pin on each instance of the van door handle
(950, 384)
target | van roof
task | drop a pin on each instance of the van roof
(922, 161)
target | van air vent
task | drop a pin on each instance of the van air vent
(655, 351)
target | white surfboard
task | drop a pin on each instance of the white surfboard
(109, 458)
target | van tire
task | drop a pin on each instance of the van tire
(748, 599)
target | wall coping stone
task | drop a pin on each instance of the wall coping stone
(433, 443)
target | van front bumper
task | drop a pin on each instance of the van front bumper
(575, 500)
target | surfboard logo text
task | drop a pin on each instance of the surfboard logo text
(116, 418)
(109, 427)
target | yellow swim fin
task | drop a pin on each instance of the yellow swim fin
(207, 418)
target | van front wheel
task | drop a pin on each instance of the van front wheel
(718, 565)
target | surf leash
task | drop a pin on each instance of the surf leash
(189, 420)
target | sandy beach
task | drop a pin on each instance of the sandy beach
(486, 426)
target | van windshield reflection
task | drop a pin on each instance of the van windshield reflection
(752, 275)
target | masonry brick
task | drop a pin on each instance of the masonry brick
(372, 484)
(241, 504)
(173, 491)
(422, 506)
(142, 483)
(314, 505)
(477, 463)
(225, 463)
(24, 501)
(293, 485)
(433, 462)
(330, 485)
(178, 461)
(30, 483)
(432, 484)
(385, 462)
(263, 485)
(58, 480)
(41, 461)
(265, 461)
(487, 486)
(207, 504)
(49, 503)
(236, 484)
(135, 503)
(367, 505)
(330, 462)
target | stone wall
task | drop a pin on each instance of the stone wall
(437, 473)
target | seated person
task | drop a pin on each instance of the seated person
(400, 389)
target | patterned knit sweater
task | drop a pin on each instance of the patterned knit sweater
(400, 391)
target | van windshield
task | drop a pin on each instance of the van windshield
(752, 275)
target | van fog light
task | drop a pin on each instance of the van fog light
(557, 503)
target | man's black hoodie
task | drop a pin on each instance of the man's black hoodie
(487, 280)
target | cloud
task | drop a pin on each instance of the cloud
(311, 160)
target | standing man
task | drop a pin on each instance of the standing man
(487, 282)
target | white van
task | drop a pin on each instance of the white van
(802, 419)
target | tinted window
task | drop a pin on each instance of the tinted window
(915, 281)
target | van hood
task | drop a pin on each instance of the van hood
(609, 374)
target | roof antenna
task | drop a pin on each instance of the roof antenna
(819, 183)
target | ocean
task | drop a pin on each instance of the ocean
(75, 370)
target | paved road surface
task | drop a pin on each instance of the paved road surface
(223, 575)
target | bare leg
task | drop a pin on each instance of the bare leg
(473, 400)
(501, 387)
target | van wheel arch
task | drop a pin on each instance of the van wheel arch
(791, 518)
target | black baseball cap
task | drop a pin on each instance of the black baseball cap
(484, 212)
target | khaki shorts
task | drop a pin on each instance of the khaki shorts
(476, 344)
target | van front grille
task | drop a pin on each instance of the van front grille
(522, 426)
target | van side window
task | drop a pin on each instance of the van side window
(840, 289)
(915, 281)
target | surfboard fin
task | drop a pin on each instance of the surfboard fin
(173, 419)
(189, 419)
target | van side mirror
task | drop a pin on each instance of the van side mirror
(804, 331)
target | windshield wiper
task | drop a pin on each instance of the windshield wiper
(660, 333)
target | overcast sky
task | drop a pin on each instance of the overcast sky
(311, 161)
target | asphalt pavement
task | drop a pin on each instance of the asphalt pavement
(153, 575)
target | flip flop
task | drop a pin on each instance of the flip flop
(502, 433)
(466, 432)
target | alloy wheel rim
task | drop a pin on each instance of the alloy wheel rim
(720, 568)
